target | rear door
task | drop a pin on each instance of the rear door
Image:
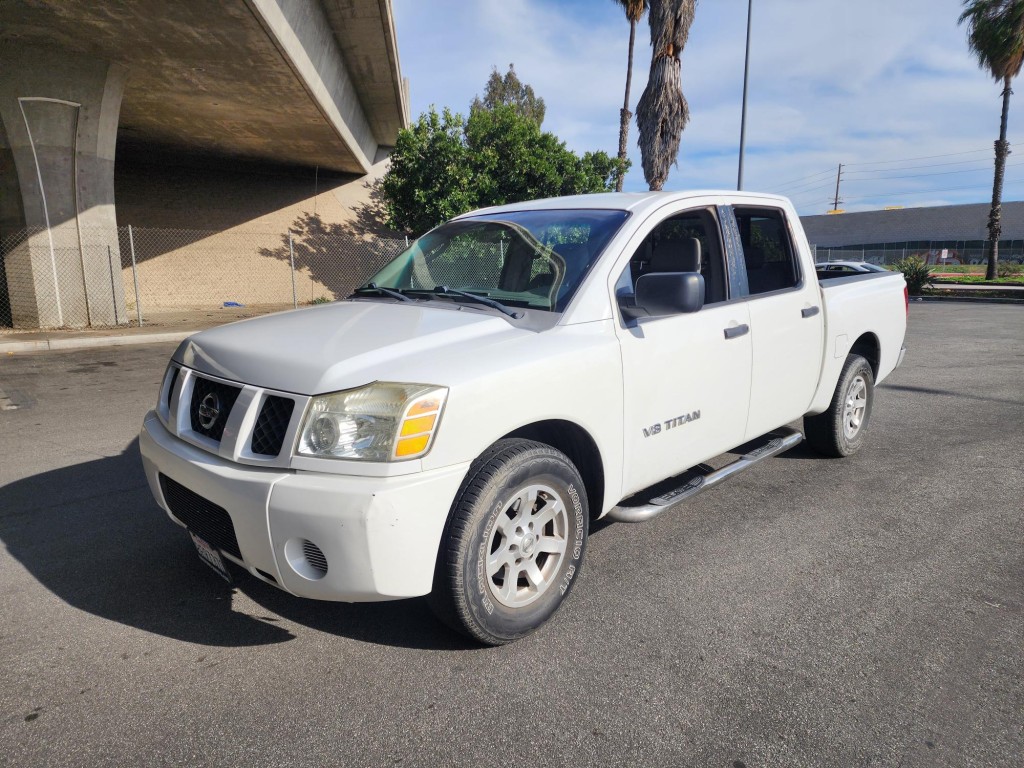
(786, 320)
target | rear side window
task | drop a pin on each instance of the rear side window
(767, 250)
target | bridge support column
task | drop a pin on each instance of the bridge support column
(58, 130)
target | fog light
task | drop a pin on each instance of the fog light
(306, 559)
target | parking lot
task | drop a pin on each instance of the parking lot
(810, 612)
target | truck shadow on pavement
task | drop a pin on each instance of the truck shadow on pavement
(93, 536)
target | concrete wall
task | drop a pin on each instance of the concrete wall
(206, 235)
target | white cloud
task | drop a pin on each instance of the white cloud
(831, 82)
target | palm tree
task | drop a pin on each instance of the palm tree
(995, 34)
(635, 10)
(662, 112)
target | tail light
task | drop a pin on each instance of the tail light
(906, 300)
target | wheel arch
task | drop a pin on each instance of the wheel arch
(581, 448)
(868, 346)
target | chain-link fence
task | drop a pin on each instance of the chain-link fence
(78, 278)
(935, 252)
(136, 276)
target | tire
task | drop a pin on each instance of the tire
(839, 431)
(514, 542)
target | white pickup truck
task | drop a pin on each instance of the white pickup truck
(453, 427)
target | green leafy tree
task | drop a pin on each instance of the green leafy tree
(444, 165)
(634, 10)
(662, 112)
(510, 91)
(430, 178)
(514, 160)
(995, 34)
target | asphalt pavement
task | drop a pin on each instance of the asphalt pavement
(810, 612)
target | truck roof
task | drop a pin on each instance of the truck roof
(621, 201)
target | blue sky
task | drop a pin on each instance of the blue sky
(886, 87)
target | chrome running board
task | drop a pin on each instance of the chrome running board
(702, 477)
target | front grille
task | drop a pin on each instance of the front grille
(216, 400)
(204, 518)
(271, 425)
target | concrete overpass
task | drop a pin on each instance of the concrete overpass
(285, 83)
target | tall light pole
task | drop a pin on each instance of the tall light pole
(743, 119)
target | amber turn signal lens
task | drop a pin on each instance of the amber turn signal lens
(410, 446)
(427, 405)
(418, 426)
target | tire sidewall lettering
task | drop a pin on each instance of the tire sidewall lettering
(476, 585)
(577, 547)
(481, 560)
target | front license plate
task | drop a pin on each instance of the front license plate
(211, 557)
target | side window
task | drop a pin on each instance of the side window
(767, 251)
(671, 247)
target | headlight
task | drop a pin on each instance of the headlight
(379, 422)
(163, 399)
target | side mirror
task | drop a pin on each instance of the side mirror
(659, 294)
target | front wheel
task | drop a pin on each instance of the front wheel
(514, 543)
(839, 431)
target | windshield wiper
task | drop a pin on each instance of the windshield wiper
(374, 288)
(444, 289)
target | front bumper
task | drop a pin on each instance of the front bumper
(379, 535)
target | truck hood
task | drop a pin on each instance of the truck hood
(341, 345)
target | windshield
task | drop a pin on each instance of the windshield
(534, 259)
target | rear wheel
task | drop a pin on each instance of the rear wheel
(839, 431)
(514, 543)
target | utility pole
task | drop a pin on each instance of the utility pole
(743, 119)
(839, 175)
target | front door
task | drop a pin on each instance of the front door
(686, 378)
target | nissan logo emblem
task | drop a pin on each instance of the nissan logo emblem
(209, 410)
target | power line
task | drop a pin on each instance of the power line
(939, 173)
(797, 191)
(828, 202)
(814, 188)
(924, 157)
(915, 167)
(802, 178)
(929, 191)
(803, 195)
(800, 188)
(803, 187)
(817, 192)
(793, 184)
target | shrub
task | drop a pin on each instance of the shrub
(916, 272)
(321, 300)
(1008, 269)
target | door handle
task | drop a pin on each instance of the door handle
(739, 330)
(809, 312)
